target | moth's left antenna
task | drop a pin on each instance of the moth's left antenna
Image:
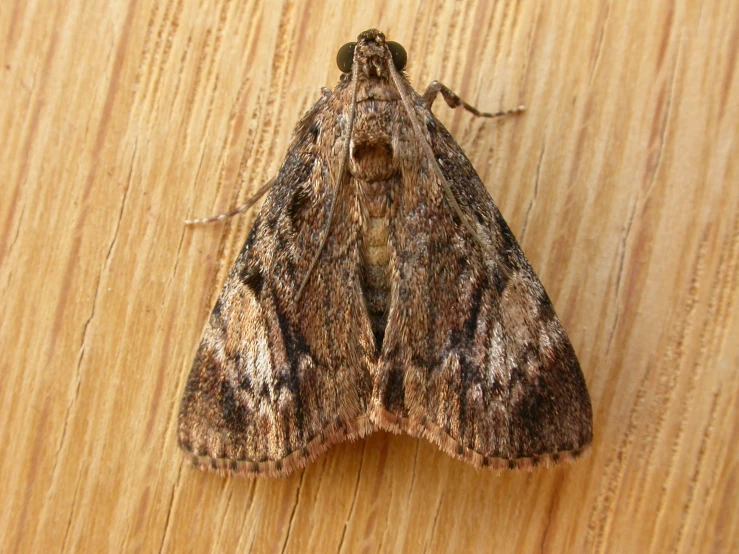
(339, 179)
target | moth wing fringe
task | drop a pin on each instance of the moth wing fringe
(331, 435)
(393, 423)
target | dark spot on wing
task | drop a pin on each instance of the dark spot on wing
(462, 342)
(295, 206)
(252, 278)
(394, 393)
(500, 277)
(294, 173)
(314, 129)
(296, 348)
(246, 385)
(216, 314)
(470, 324)
(546, 310)
(234, 413)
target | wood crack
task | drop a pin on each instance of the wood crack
(292, 514)
(354, 500)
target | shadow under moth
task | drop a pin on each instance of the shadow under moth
(381, 289)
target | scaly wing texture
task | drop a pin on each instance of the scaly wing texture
(277, 379)
(475, 358)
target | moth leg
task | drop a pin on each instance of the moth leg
(454, 101)
(245, 206)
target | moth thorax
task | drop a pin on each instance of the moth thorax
(371, 156)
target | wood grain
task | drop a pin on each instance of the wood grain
(120, 120)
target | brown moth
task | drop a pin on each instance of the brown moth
(380, 288)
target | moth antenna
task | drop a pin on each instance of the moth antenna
(437, 170)
(245, 206)
(340, 178)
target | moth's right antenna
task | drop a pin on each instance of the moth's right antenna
(434, 164)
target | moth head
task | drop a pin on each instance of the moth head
(371, 52)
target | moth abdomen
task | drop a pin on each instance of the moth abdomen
(374, 250)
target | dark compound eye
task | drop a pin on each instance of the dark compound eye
(400, 58)
(345, 57)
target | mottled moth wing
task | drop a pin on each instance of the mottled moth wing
(475, 358)
(277, 379)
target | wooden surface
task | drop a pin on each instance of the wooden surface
(621, 181)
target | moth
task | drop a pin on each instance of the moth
(381, 289)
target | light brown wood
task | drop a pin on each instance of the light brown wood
(621, 180)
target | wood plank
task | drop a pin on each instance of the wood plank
(120, 120)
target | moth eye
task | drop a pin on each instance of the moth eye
(400, 58)
(345, 57)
